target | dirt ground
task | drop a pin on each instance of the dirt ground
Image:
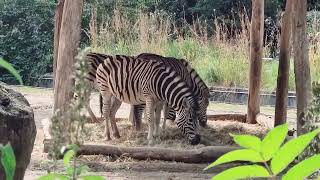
(41, 101)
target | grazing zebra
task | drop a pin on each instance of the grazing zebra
(193, 80)
(136, 81)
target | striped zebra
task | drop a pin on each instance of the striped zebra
(193, 80)
(136, 81)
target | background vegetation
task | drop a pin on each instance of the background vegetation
(211, 34)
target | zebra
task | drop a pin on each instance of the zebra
(193, 80)
(181, 66)
(136, 81)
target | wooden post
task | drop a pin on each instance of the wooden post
(67, 50)
(57, 27)
(284, 66)
(256, 47)
(301, 62)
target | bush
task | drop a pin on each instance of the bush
(26, 34)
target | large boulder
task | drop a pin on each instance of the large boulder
(17, 126)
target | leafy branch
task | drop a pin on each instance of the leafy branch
(271, 154)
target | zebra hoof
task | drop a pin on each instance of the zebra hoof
(195, 140)
(116, 135)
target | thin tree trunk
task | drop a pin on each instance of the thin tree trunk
(57, 27)
(256, 48)
(301, 63)
(284, 66)
(67, 50)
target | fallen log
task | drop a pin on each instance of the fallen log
(201, 155)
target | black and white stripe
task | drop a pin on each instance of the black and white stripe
(136, 81)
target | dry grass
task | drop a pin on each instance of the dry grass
(217, 133)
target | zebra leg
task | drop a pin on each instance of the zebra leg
(136, 116)
(106, 103)
(115, 106)
(150, 119)
(157, 118)
(165, 115)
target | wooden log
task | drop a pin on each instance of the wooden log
(256, 49)
(201, 155)
(233, 117)
(284, 66)
(301, 62)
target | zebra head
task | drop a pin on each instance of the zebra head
(202, 111)
(187, 120)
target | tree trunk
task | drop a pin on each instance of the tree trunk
(256, 48)
(301, 63)
(284, 66)
(67, 50)
(57, 27)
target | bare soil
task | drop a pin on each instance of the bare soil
(217, 133)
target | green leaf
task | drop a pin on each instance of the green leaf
(92, 177)
(247, 141)
(67, 157)
(238, 155)
(273, 140)
(53, 176)
(304, 169)
(289, 151)
(69, 170)
(10, 68)
(242, 172)
(8, 161)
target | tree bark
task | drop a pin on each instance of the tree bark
(301, 63)
(67, 50)
(284, 66)
(57, 27)
(256, 48)
(201, 155)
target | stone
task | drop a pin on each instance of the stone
(17, 126)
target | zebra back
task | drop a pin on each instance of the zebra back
(183, 68)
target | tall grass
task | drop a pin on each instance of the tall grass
(219, 59)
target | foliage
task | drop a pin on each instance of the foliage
(270, 153)
(312, 120)
(8, 160)
(72, 170)
(4, 64)
(26, 31)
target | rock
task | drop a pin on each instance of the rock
(17, 126)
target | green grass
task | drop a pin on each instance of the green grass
(225, 65)
(218, 60)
